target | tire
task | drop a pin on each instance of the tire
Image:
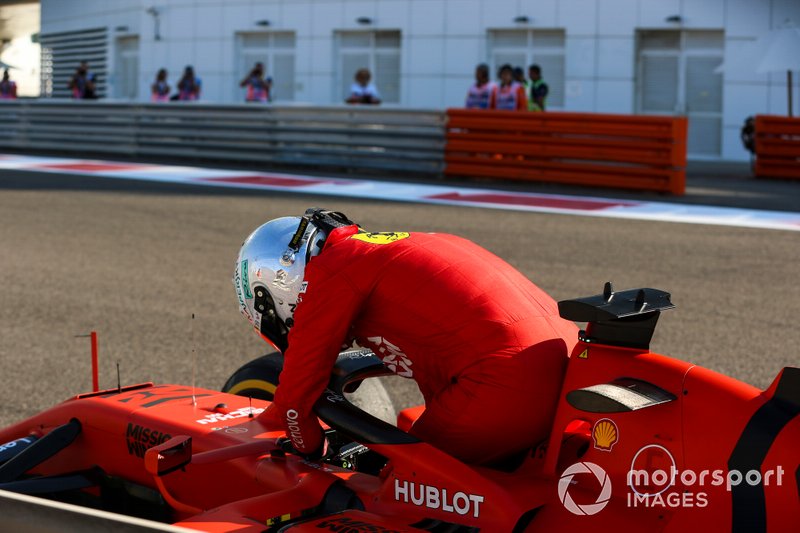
(260, 377)
(257, 379)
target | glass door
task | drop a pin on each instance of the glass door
(675, 76)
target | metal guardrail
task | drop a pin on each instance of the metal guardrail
(335, 136)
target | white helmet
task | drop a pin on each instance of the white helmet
(271, 266)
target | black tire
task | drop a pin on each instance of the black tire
(257, 379)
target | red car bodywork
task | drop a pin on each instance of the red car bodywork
(239, 479)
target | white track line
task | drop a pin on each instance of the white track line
(409, 192)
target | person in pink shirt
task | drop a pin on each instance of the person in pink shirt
(480, 92)
(190, 85)
(83, 83)
(508, 94)
(258, 88)
(159, 90)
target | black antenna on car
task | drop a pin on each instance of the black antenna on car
(119, 381)
(250, 401)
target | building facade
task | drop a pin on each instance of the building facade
(610, 56)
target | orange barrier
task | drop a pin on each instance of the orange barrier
(777, 147)
(622, 151)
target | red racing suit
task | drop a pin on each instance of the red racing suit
(485, 345)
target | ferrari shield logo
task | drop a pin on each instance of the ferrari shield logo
(387, 237)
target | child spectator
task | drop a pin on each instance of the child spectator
(159, 90)
(190, 85)
(509, 94)
(362, 91)
(480, 92)
(538, 89)
(8, 89)
(83, 83)
(258, 88)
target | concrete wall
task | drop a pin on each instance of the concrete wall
(441, 43)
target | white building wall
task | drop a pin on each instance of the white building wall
(442, 41)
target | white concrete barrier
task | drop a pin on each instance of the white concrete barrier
(19, 512)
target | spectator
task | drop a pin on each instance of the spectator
(159, 90)
(258, 88)
(538, 89)
(83, 83)
(519, 76)
(362, 91)
(480, 92)
(509, 94)
(8, 89)
(190, 85)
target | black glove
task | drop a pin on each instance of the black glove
(285, 445)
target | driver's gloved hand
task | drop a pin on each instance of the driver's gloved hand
(285, 444)
(305, 430)
(320, 453)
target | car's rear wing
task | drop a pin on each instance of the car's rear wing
(625, 318)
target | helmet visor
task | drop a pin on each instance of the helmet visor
(270, 326)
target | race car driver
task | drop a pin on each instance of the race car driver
(485, 345)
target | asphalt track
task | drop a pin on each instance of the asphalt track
(135, 260)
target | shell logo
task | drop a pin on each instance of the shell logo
(605, 434)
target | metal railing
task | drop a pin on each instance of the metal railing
(403, 140)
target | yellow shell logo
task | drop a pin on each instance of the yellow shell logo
(605, 434)
(384, 237)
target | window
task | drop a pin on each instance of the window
(379, 51)
(61, 54)
(276, 51)
(523, 48)
(126, 68)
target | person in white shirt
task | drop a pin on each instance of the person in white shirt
(480, 92)
(362, 91)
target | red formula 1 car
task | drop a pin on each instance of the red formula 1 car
(640, 442)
